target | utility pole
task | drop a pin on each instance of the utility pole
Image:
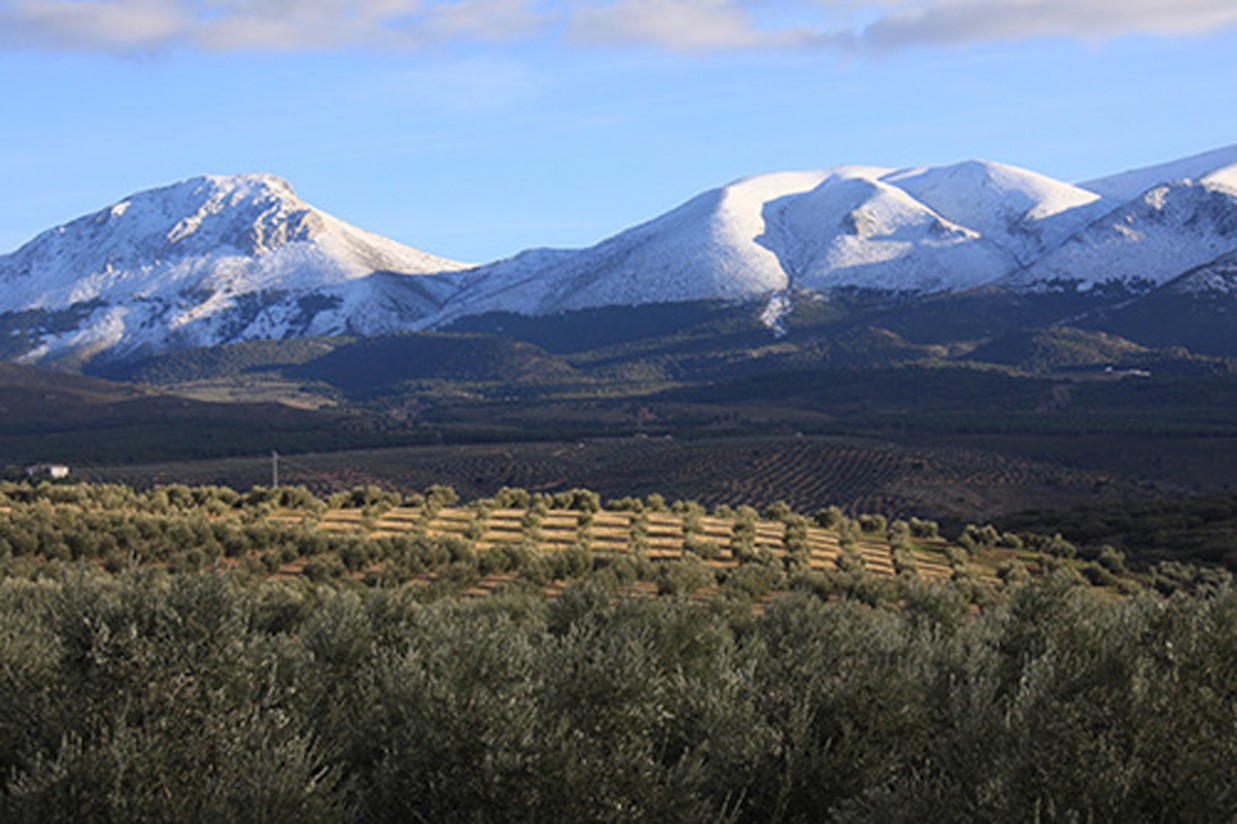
(274, 469)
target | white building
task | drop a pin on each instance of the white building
(52, 471)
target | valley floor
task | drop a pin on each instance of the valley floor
(862, 475)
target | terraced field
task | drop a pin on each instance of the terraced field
(533, 542)
(655, 536)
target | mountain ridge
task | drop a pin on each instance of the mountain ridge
(221, 259)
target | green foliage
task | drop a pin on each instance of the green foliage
(873, 524)
(830, 517)
(439, 496)
(904, 561)
(795, 537)
(147, 696)
(753, 581)
(684, 577)
(778, 511)
(1112, 559)
(530, 524)
(850, 560)
(708, 550)
(743, 540)
(975, 538)
(583, 500)
(508, 498)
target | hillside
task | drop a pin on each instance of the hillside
(514, 539)
(212, 654)
(1045, 350)
(1196, 310)
(703, 402)
(65, 418)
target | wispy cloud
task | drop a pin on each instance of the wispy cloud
(973, 21)
(107, 25)
(149, 26)
(681, 25)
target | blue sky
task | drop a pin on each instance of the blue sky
(472, 129)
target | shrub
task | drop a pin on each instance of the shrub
(683, 577)
(830, 517)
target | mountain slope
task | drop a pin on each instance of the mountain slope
(1024, 212)
(1130, 184)
(856, 230)
(704, 249)
(1147, 242)
(1043, 350)
(917, 231)
(210, 260)
(1197, 310)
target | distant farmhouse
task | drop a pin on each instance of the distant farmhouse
(45, 470)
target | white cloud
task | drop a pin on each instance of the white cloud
(971, 21)
(107, 25)
(683, 25)
(885, 24)
(491, 20)
(139, 26)
(144, 26)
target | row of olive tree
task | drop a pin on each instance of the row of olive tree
(203, 697)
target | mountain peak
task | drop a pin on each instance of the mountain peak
(209, 258)
(245, 184)
(969, 190)
(250, 214)
(248, 181)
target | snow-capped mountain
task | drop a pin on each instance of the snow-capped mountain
(206, 261)
(705, 249)
(918, 231)
(220, 259)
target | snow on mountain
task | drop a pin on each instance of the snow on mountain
(209, 260)
(1026, 213)
(219, 259)
(856, 230)
(1147, 242)
(919, 230)
(1133, 183)
(704, 249)
(1217, 278)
